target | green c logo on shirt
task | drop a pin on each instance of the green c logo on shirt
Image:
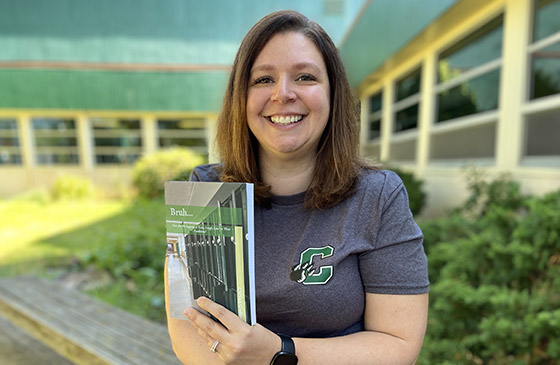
(306, 273)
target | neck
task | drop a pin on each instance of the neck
(287, 177)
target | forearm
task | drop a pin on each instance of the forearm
(189, 347)
(365, 347)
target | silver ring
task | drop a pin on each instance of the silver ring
(214, 346)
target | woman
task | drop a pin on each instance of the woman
(339, 260)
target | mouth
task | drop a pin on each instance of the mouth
(285, 119)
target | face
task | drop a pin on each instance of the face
(289, 97)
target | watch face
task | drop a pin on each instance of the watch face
(284, 358)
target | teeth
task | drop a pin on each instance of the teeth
(285, 120)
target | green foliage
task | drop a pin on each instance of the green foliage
(133, 255)
(416, 196)
(72, 188)
(495, 270)
(151, 172)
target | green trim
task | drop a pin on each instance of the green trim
(112, 90)
(385, 27)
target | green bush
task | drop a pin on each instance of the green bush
(495, 271)
(133, 255)
(152, 171)
(72, 188)
(416, 196)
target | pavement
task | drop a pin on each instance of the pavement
(19, 348)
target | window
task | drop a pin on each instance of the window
(469, 73)
(185, 132)
(542, 124)
(476, 142)
(375, 104)
(55, 141)
(10, 153)
(543, 134)
(407, 98)
(545, 50)
(116, 141)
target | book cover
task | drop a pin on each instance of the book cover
(210, 246)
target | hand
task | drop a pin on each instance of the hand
(240, 343)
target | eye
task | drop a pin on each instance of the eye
(263, 80)
(306, 77)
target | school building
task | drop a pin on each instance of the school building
(86, 88)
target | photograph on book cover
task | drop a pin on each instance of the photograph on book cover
(210, 246)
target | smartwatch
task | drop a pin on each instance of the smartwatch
(287, 355)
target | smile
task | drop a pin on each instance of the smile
(287, 119)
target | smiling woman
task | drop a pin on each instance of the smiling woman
(288, 101)
(328, 225)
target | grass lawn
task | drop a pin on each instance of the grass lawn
(27, 229)
(123, 240)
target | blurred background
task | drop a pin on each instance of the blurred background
(102, 101)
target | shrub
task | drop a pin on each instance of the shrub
(151, 172)
(416, 196)
(495, 273)
(133, 256)
(72, 188)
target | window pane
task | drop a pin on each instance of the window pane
(56, 158)
(186, 132)
(403, 151)
(53, 124)
(546, 72)
(122, 141)
(547, 15)
(472, 142)
(182, 124)
(375, 103)
(482, 46)
(543, 134)
(407, 118)
(474, 96)
(375, 129)
(117, 141)
(409, 85)
(114, 123)
(8, 124)
(9, 143)
(183, 142)
(55, 141)
(116, 159)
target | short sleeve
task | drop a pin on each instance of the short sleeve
(397, 263)
(210, 173)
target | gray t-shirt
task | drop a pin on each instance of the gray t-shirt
(313, 267)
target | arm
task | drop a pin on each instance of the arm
(394, 331)
(189, 347)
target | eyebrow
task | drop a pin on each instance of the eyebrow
(297, 66)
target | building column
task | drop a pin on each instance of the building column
(426, 117)
(211, 129)
(85, 144)
(149, 134)
(27, 148)
(387, 120)
(513, 83)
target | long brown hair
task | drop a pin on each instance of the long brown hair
(338, 161)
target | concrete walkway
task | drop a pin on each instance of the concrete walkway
(18, 348)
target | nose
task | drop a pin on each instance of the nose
(284, 91)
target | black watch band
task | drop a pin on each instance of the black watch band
(287, 355)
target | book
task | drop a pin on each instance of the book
(210, 246)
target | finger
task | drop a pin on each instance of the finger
(229, 319)
(207, 328)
